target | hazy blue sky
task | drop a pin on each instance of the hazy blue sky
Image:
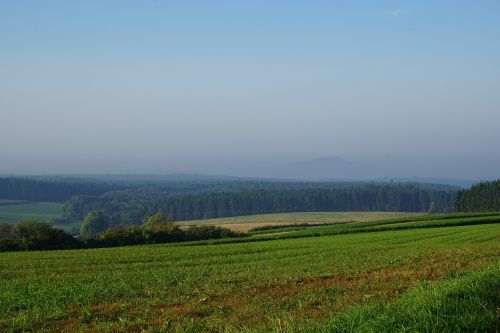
(160, 86)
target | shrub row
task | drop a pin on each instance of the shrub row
(32, 235)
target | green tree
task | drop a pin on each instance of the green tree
(34, 235)
(94, 223)
(159, 228)
(6, 236)
(157, 222)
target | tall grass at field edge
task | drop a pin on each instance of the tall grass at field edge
(467, 304)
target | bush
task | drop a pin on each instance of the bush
(33, 235)
(157, 229)
(7, 242)
(208, 232)
(95, 223)
(121, 236)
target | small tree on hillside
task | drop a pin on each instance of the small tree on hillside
(94, 223)
(159, 228)
(158, 222)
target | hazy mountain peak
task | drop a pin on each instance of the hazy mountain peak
(327, 160)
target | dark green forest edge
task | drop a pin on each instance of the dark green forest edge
(482, 197)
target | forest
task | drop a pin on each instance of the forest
(482, 197)
(50, 190)
(128, 202)
(130, 206)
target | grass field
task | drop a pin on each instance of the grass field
(245, 223)
(13, 211)
(440, 276)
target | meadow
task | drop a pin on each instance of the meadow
(13, 211)
(441, 275)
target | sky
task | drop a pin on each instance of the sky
(160, 86)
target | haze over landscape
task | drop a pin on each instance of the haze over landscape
(314, 90)
(249, 166)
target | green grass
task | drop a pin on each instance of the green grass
(16, 211)
(425, 221)
(13, 211)
(307, 283)
(465, 304)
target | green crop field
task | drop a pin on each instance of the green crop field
(443, 275)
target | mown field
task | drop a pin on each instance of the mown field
(245, 223)
(13, 211)
(442, 276)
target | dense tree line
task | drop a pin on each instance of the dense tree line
(482, 197)
(97, 232)
(157, 229)
(129, 207)
(30, 189)
(32, 235)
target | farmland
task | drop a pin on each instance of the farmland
(13, 211)
(340, 280)
(245, 223)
